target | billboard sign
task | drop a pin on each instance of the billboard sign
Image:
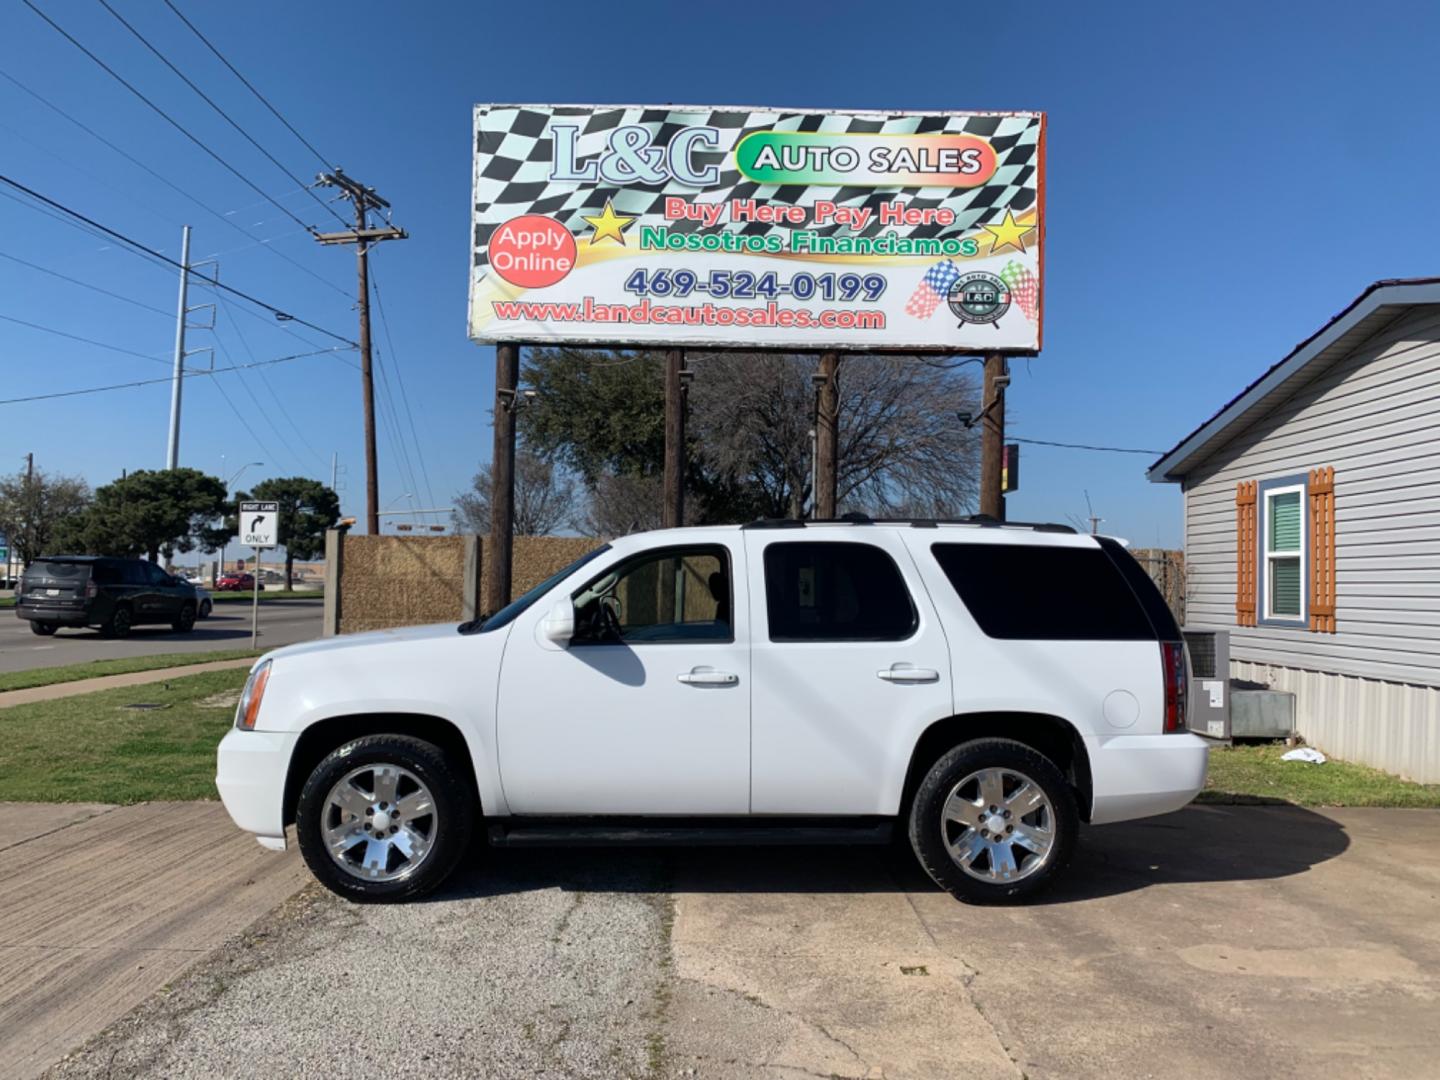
(727, 227)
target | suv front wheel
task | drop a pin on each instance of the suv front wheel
(384, 818)
(994, 819)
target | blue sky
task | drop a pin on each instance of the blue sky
(1221, 179)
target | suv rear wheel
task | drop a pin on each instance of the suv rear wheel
(119, 623)
(994, 819)
(185, 622)
(384, 818)
(44, 629)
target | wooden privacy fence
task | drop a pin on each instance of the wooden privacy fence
(1167, 569)
(378, 582)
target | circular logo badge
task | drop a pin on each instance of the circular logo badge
(532, 251)
(979, 297)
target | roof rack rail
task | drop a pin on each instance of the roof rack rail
(984, 521)
(774, 523)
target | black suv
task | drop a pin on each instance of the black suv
(95, 590)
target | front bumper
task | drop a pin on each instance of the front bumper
(251, 768)
(1135, 776)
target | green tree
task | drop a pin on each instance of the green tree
(307, 509)
(32, 508)
(150, 513)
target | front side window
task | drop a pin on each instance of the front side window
(1283, 569)
(835, 592)
(676, 595)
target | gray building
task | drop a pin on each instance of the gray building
(1312, 529)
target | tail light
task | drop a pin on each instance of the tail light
(91, 589)
(1172, 660)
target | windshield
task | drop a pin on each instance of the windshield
(512, 610)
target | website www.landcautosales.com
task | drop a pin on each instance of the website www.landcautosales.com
(703, 314)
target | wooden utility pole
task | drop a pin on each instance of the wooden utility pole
(502, 478)
(362, 236)
(673, 514)
(992, 437)
(827, 436)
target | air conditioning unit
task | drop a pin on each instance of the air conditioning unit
(1209, 682)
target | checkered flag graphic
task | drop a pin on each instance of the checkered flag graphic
(1024, 288)
(514, 159)
(930, 293)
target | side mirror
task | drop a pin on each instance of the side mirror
(559, 625)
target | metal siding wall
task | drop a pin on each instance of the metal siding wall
(1391, 726)
(1375, 417)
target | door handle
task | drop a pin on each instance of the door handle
(707, 678)
(908, 675)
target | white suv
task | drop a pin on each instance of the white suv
(986, 688)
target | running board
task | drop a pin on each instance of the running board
(537, 832)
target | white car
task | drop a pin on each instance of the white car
(984, 689)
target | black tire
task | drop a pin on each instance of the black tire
(44, 629)
(119, 623)
(186, 620)
(205, 608)
(454, 821)
(929, 828)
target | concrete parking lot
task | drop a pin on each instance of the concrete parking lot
(282, 622)
(1217, 942)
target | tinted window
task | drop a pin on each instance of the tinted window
(58, 571)
(1162, 619)
(156, 575)
(835, 592)
(133, 572)
(1044, 593)
(511, 611)
(108, 573)
(675, 595)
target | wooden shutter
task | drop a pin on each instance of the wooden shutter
(1246, 555)
(1322, 550)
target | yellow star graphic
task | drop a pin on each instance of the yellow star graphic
(608, 223)
(1008, 233)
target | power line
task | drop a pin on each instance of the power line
(163, 114)
(1084, 446)
(227, 117)
(269, 454)
(86, 285)
(139, 247)
(85, 340)
(168, 378)
(248, 85)
(221, 217)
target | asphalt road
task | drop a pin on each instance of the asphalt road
(1214, 943)
(282, 622)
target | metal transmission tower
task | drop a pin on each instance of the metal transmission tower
(364, 199)
(182, 323)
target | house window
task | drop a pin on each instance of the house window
(1282, 570)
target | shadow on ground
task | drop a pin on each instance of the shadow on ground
(1197, 844)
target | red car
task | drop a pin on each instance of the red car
(237, 583)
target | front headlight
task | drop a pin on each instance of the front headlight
(250, 698)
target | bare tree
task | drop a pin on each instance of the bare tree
(621, 503)
(544, 498)
(902, 450)
(33, 507)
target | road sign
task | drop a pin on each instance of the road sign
(260, 524)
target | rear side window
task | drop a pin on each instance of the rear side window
(835, 592)
(107, 574)
(1037, 593)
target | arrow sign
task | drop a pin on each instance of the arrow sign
(260, 524)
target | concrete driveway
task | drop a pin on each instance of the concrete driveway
(1216, 942)
(282, 622)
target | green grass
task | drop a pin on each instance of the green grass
(1255, 774)
(94, 669)
(268, 594)
(90, 748)
(7, 601)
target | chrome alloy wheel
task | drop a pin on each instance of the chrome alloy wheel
(998, 825)
(380, 822)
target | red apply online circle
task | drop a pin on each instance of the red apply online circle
(532, 251)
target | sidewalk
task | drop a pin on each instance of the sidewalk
(107, 904)
(112, 682)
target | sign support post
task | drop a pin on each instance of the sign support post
(673, 512)
(992, 437)
(827, 437)
(259, 528)
(502, 477)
